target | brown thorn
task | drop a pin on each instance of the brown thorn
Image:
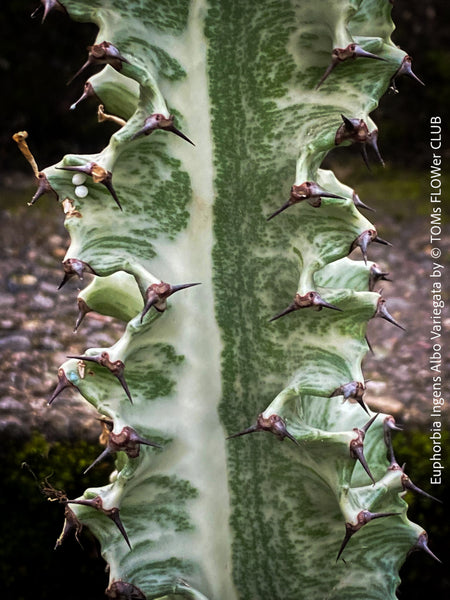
(362, 519)
(422, 544)
(177, 132)
(48, 5)
(357, 202)
(273, 424)
(410, 486)
(98, 174)
(101, 54)
(365, 158)
(107, 182)
(404, 69)
(352, 51)
(286, 311)
(83, 310)
(74, 266)
(286, 205)
(358, 454)
(369, 345)
(116, 368)
(106, 452)
(328, 70)
(375, 275)
(157, 294)
(362, 241)
(365, 427)
(309, 191)
(373, 141)
(309, 300)
(383, 313)
(62, 384)
(159, 121)
(349, 532)
(44, 187)
(250, 429)
(356, 446)
(88, 92)
(111, 513)
(381, 241)
(124, 385)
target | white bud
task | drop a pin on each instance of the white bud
(79, 178)
(81, 191)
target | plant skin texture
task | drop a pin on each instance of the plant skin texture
(225, 111)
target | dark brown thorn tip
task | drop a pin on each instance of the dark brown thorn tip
(157, 294)
(408, 485)
(362, 519)
(357, 202)
(98, 174)
(357, 444)
(180, 134)
(159, 121)
(106, 452)
(352, 51)
(107, 182)
(365, 158)
(369, 423)
(44, 187)
(74, 266)
(102, 54)
(62, 384)
(286, 205)
(127, 441)
(310, 191)
(349, 532)
(245, 431)
(328, 71)
(116, 368)
(48, 5)
(373, 141)
(391, 425)
(422, 544)
(375, 275)
(357, 132)
(83, 310)
(369, 345)
(273, 424)
(354, 390)
(111, 513)
(309, 300)
(88, 92)
(379, 240)
(382, 312)
(362, 241)
(404, 69)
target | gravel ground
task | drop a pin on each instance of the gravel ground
(36, 323)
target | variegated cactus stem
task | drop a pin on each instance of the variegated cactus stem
(196, 507)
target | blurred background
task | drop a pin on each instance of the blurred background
(36, 324)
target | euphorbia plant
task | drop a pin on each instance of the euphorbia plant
(225, 111)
